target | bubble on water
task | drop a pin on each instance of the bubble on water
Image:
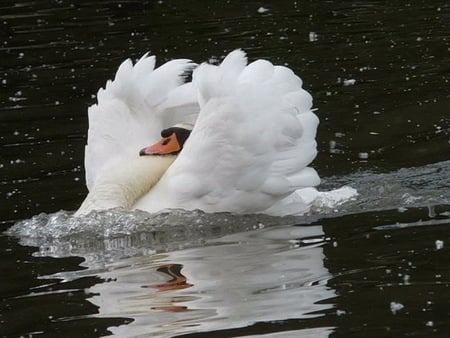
(349, 82)
(262, 10)
(406, 279)
(363, 156)
(396, 307)
(313, 36)
(429, 323)
(439, 244)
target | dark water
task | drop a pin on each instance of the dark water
(377, 266)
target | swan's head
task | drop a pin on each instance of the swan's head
(172, 141)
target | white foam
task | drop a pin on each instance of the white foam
(333, 198)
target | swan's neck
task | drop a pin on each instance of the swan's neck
(122, 185)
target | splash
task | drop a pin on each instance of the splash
(118, 233)
(122, 233)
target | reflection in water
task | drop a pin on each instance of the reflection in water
(178, 281)
(265, 275)
(225, 275)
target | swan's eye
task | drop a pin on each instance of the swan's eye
(167, 132)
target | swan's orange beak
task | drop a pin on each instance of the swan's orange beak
(167, 145)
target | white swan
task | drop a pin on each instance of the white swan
(252, 140)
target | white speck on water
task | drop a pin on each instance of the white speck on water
(313, 36)
(429, 323)
(439, 244)
(395, 307)
(363, 156)
(263, 10)
(16, 132)
(374, 133)
(402, 209)
(340, 312)
(4, 81)
(406, 279)
(335, 244)
(349, 82)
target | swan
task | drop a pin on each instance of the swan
(238, 138)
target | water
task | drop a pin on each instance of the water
(374, 266)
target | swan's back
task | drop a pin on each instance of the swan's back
(251, 145)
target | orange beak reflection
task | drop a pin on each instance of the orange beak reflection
(167, 145)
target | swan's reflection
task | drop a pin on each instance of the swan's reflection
(178, 281)
(264, 275)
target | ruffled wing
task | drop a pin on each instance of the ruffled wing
(251, 145)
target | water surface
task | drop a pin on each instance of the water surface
(376, 266)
